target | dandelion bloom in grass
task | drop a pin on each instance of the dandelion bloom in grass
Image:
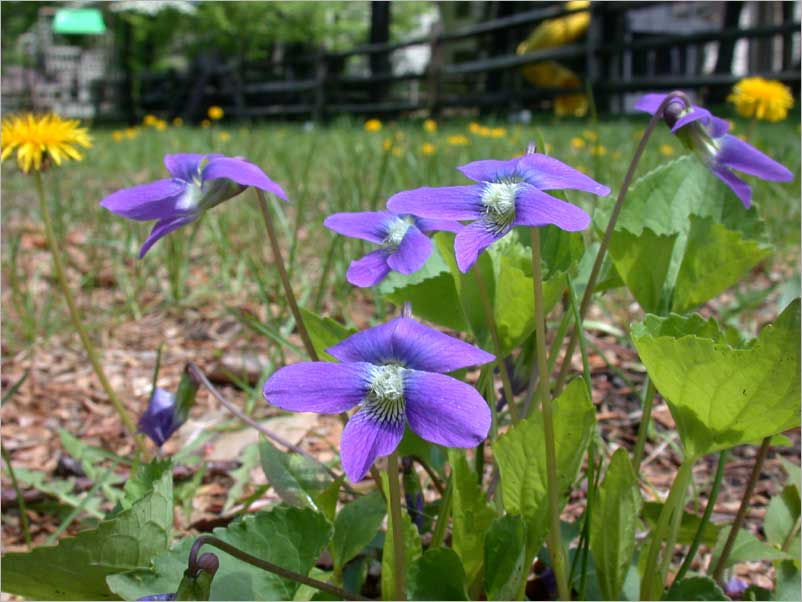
(404, 246)
(430, 125)
(196, 183)
(428, 149)
(506, 194)
(666, 150)
(590, 135)
(577, 143)
(224, 136)
(762, 99)
(206, 123)
(160, 125)
(118, 136)
(131, 133)
(458, 140)
(497, 132)
(178, 122)
(37, 139)
(215, 113)
(150, 120)
(167, 411)
(599, 150)
(373, 125)
(395, 372)
(474, 128)
(706, 135)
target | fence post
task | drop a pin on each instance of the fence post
(435, 71)
(321, 75)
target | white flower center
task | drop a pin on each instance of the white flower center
(192, 197)
(498, 200)
(396, 232)
(385, 399)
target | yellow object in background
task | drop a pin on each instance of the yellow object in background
(215, 113)
(458, 140)
(36, 138)
(430, 125)
(428, 149)
(550, 74)
(373, 125)
(758, 98)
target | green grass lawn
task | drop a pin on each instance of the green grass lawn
(339, 167)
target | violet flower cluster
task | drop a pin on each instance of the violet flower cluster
(706, 135)
(196, 183)
(395, 372)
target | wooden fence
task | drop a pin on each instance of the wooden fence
(611, 61)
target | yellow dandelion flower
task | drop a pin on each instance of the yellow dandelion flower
(38, 138)
(206, 123)
(428, 149)
(399, 136)
(373, 125)
(484, 132)
(577, 143)
(458, 140)
(666, 150)
(118, 136)
(497, 132)
(215, 113)
(224, 136)
(762, 99)
(590, 135)
(150, 120)
(178, 122)
(430, 125)
(387, 144)
(474, 128)
(549, 148)
(131, 133)
(160, 125)
(397, 152)
(598, 150)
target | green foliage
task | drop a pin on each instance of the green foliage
(324, 332)
(471, 515)
(747, 548)
(437, 575)
(689, 525)
(295, 478)
(722, 395)
(356, 526)
(76, 568)
(683, 237)
(613, 524)
(521, 456)
(505, 551)
(289, 537)
(695, 588)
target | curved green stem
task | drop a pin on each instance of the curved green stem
(653, 580)
(711, 502)
(619, 203)
(399, 564)
(555, 544)
(75, 317)
(742, 509)
(285, 279)
(643, 428)
(445, 512)
(209, 540)
(484, 296)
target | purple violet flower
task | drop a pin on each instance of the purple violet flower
(508, 194)
(196, 183)
(396, 371)
(167, 411)
(706, 135)
(735, 587)
(404, 244)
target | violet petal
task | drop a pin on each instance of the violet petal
(547, 173)
(471, 241)
(366, 225)
(323, 387)
(154, 200)
(163, 228)
(412, 253)
(369, 270)
(737, 154)
(741, 189)
(490, 170)
(444, 410)
(534, 207)
(444, 202)
(364, 439)
(242, 172)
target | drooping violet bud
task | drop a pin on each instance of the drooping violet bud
(167, 411)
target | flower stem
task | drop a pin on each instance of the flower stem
(652, 580)
(399, 568)
(285, 280)
(266, 566)
(484, 297)
(445, 512)
(643, 429)
(711, 502)
(75, 317)
(555, 544)
(23, 510)
(619, 203)
(742, 509)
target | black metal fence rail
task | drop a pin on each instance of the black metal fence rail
(318, 85)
